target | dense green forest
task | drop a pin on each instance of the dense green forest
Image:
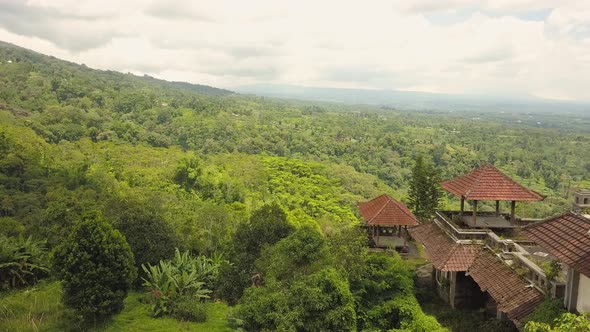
(239, 183)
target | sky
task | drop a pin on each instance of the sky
(496, 47)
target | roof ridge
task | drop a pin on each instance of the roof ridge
(449, 254)
(518, 184)
(498, 186)
(381, 209)
(553, 218)
(397, 203)
(477, 179)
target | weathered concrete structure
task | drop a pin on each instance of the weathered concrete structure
(473, 267)
(581, 200)
(477, 269)
(567, 237)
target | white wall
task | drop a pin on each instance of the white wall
(583, 304)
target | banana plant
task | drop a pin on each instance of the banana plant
(22, 262)
(173, 279)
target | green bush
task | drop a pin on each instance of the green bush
(318, 302)
(567, 322)
(385, 299)
(301, 249)
(547, 312)
(190, 308)
(151, 239)
(22, 262)
(11, 227)
(266, 226)
(231, 283)
(171, 281)
(96, 266)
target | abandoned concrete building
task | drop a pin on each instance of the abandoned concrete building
(475, 266)
(581, 201)
(493, 261)
(567, 237)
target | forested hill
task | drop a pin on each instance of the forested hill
(258, 186)
(83, 77)
(63, 103)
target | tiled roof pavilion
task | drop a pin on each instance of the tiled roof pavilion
(487, 183)
(386, 211)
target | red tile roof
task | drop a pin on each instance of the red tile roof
(487, 183)
(444, 253)
(565, 237)
(513, 294)
(386, 211)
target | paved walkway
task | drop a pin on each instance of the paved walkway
(398, 243)
(488, 222)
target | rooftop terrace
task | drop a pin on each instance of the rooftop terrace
(486, 220)
(524, 256)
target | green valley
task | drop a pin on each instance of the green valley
(259, 194)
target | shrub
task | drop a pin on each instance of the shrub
(171, 281)
(547, 312)
(151, 239)
(266, 226)
(190, 308)
(22, 262)
(231, 283)
(317, 302)
(11, 227)
(298, 251)
(567, 322)
(95, 264)
(385, 299)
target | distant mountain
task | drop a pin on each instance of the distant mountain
(418, 100)
(15, 54)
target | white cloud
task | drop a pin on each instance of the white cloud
(492, 47)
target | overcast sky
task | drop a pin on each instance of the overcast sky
(500, 47)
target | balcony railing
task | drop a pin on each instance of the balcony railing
(458, 233)
(510, 251)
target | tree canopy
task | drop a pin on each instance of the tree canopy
(96, 266)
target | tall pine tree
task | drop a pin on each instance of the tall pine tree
(424, 194)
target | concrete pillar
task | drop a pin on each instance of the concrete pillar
(452, 289)
(571, 289)
(378, 231)
(501, 316)
(434, 278)
(474, 212)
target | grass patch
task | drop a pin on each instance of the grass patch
(39, 308)
(36, 308)
(136, 317)
(419, 260)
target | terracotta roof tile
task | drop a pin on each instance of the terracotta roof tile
(565, 237)
(487, 183)
(444, 253)
(513, 294)
(386, 211)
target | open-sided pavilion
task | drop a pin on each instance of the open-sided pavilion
(487, 183)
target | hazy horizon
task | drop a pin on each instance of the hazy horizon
(489, 48)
